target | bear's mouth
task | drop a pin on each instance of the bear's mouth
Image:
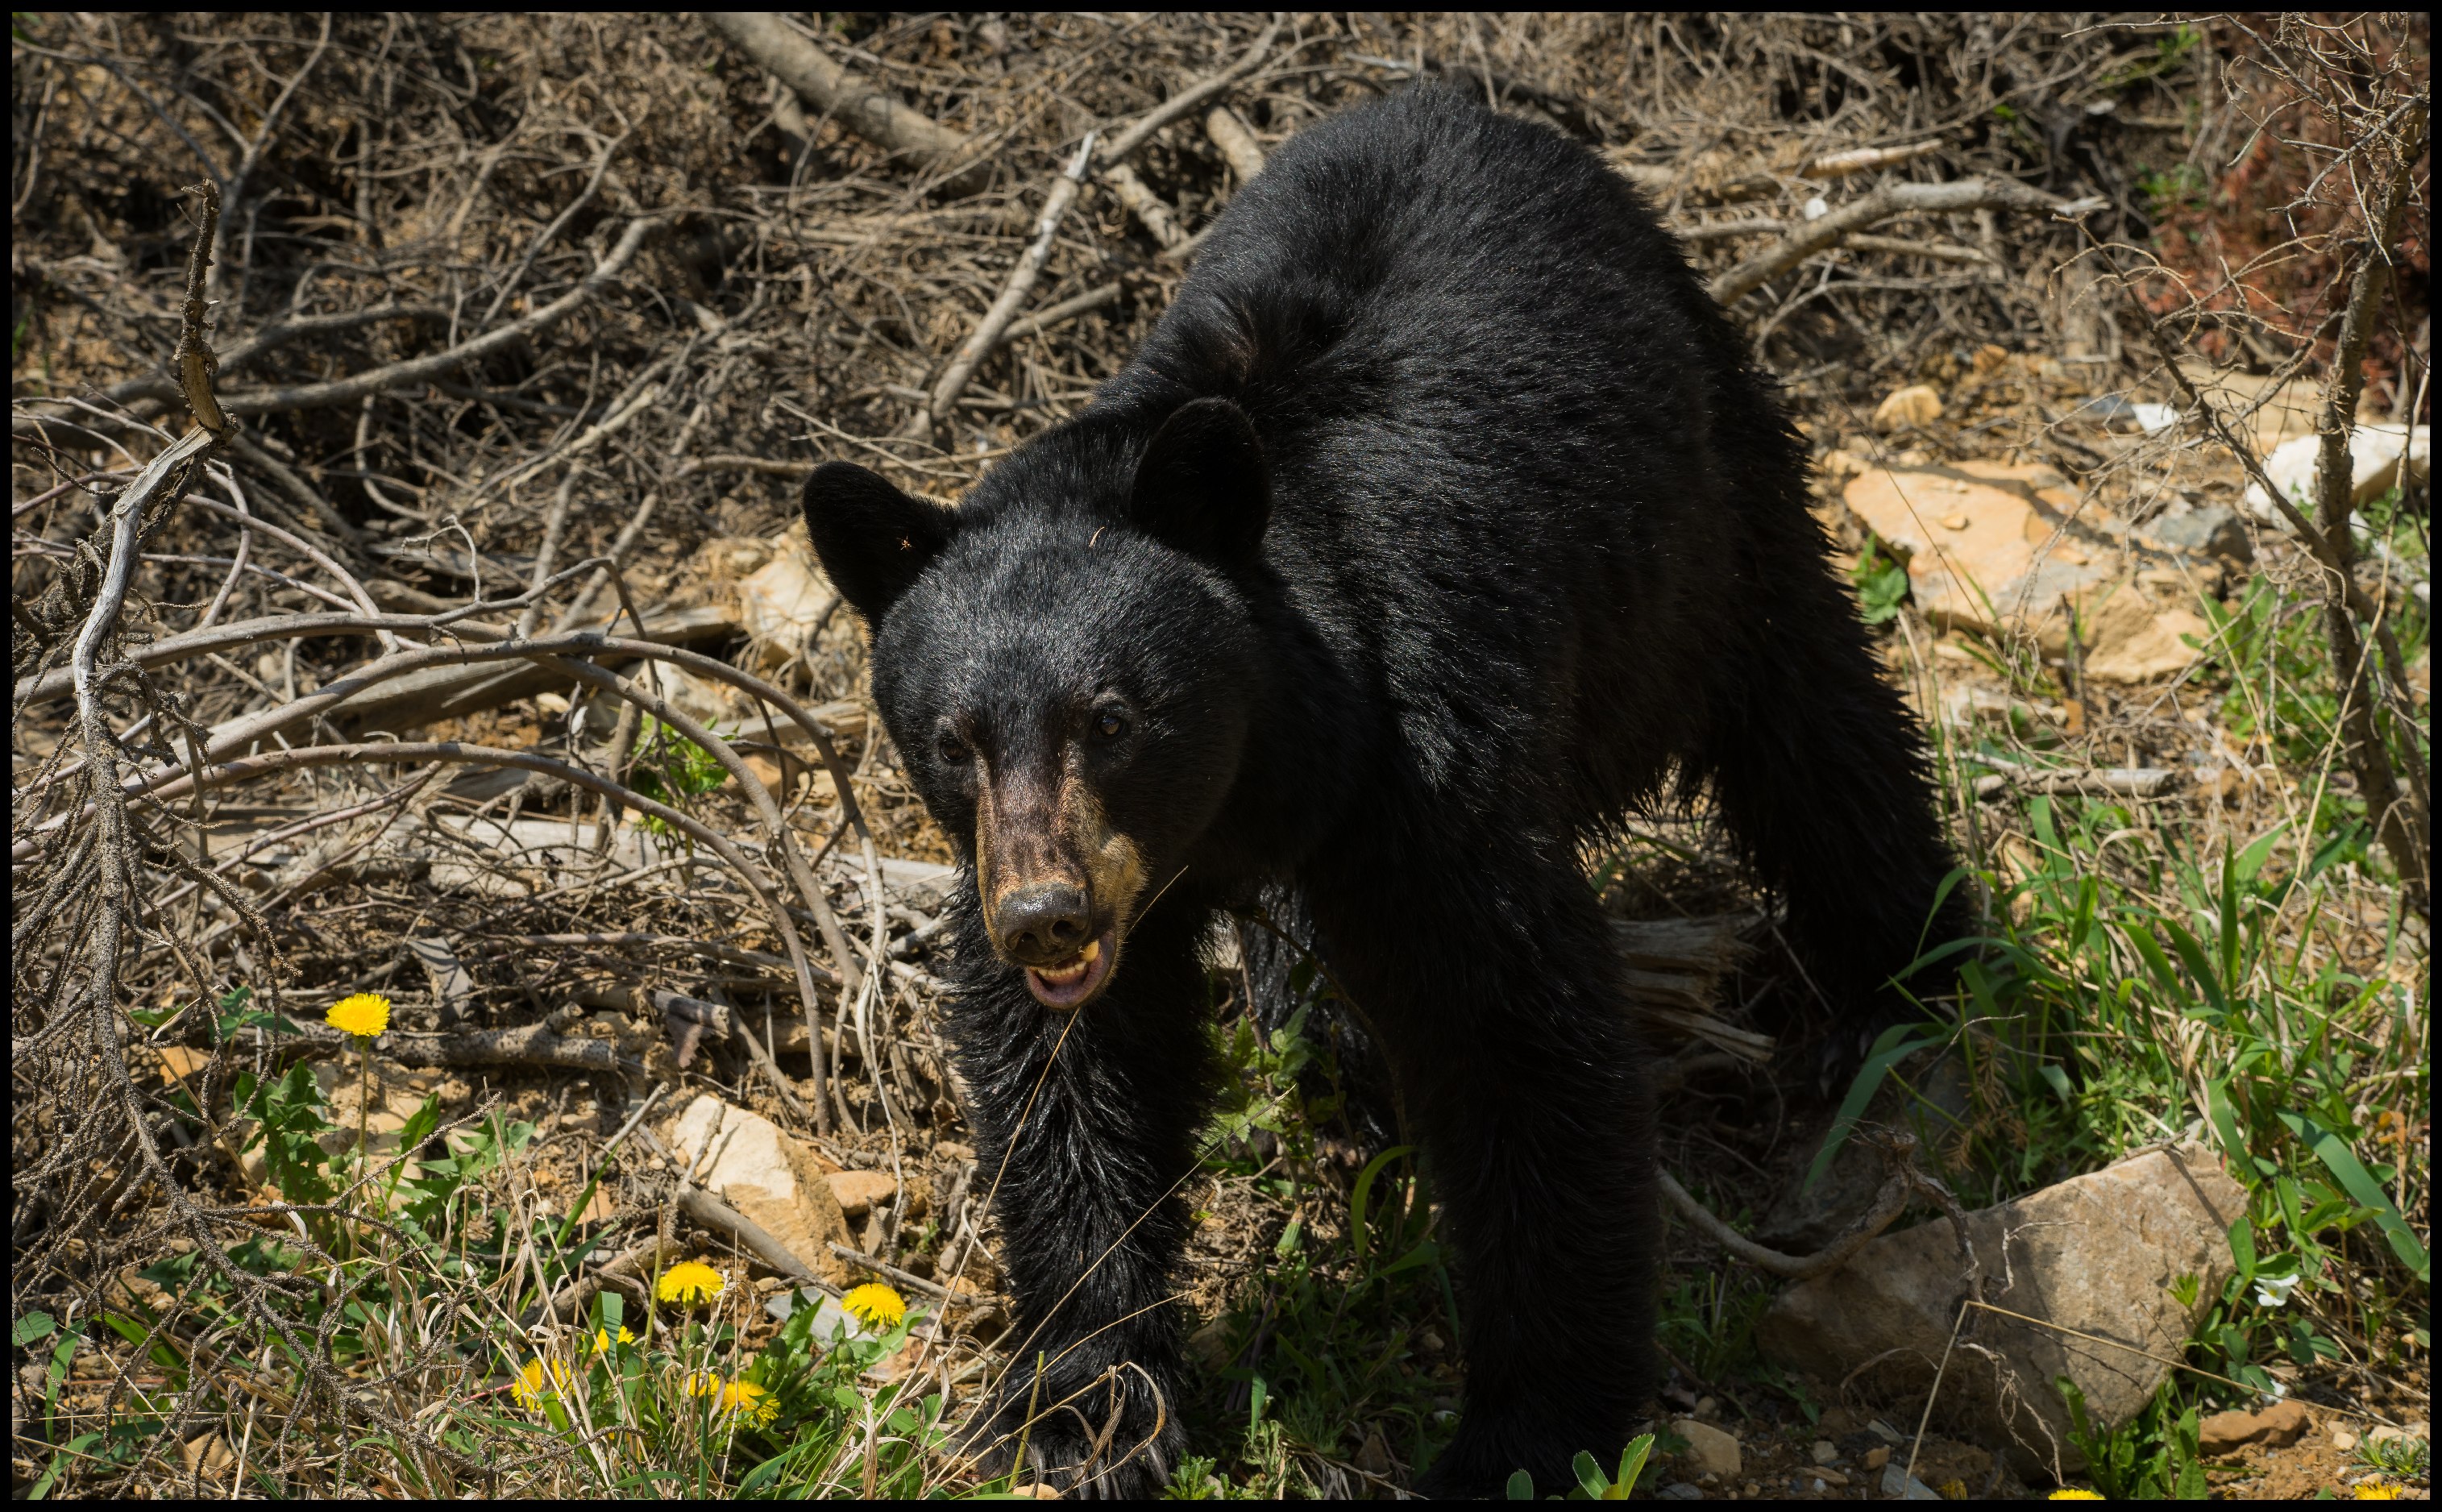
(1072, 983)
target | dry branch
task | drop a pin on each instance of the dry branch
(1004, 309)
(420, 370)
(1237, 144)
(1872, 209)
(858, 103)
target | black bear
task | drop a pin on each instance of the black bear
(1440, 523)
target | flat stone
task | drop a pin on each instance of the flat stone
(2280, 1423)
(1823, 1451)
(778, 1183)
(1997, 548)
(2098, 1255)
(858, 1191)
(1710, 1452)
(2202, 530)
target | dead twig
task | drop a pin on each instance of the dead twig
(1004, 309)
(858, 103)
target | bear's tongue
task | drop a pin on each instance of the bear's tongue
(1069, 983)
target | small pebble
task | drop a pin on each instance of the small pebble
(1823, 1451)
(1706, 1406)
(1877, 1457)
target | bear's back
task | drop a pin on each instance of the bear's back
(1489, 389)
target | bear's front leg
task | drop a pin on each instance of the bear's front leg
(1086, 1125)
(1494, 983)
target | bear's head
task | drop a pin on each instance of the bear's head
(1067, 663)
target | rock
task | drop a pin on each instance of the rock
(2140, 635)
(1825, 1475)
(1916, 405)
(1680, 1492)
(2342, 1439)
(2280, 1423)
(2119, 412)
(2374, 453)
(1823, 1451)
(1897, 1485)
(2203, 529)
(1710, 1452)
(858, 1191)
(1877, 1457)
(768, 1177)
(1997, 548)
(780, 603)
(2098, 1254)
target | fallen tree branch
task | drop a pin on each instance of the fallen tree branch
(1069, 309)
(532, 1044)
(1898, 1152)
(721, 1218)
(1117, 150)
(1882, 205)
(1866, 159)
(858, 103)
(1145, 205)
(418, 369)
(1238, 146)
(1021, 282)
(2125, 782)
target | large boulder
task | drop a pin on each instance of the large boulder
(778, 1184)
(2102, 1257)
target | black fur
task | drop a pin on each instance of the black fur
(1468, 529)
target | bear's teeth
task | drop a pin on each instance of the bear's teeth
(1063, 974)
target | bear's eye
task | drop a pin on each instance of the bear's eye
(1110, 723)
(952, 750)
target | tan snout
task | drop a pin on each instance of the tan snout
(1059, 886)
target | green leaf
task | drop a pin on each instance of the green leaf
(1359, 1198)
(1590, 1475)
(1522, 1486)
(2342, 1162)
(2242, 1249)
(2225, 1124)
(73, 1449)
(32, 1328)
(1896, 1044)
(1631, 1464)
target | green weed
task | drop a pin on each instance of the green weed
(2152, 1457)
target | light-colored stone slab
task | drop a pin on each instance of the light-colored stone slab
(746, 1160)
(2096, 1258)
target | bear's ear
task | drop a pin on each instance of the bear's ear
(1203, 485)
(872, 539)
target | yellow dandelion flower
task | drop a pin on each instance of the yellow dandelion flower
(749, 1402)
(741, 1398)
(2377, 1491)
(363, 1014)
(875, 1305)
(2070, 1493)
(602, 1339)
(689, 1281)
(541, 1378)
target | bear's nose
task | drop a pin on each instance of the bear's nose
(1044, 924)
